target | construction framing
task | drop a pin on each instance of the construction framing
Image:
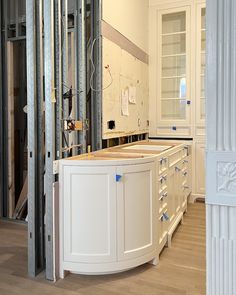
(47, 87)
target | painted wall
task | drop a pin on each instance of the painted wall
(126, 71)
(130, 18)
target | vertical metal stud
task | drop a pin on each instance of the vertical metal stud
(49, 131)
(96, 120)
(1, 123)
(39, 205)
(58, 80)
(65, 86)
(31, 93)
(82, 61)
(35, 137)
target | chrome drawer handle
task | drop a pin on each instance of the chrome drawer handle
(163, 160)
(163, 196)
(177, 169)
(163, 178)
(165, 217)
(186, 187)
(185, 162)
(185, 173)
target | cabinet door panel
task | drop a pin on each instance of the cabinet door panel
(136, 210)
(173, 68)
(89, 202)
(200, 168)
(200, 63)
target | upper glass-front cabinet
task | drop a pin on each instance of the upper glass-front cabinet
(201, 56)
(173, 68)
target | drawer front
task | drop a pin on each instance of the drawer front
(163, 224)
(162, 183)
(175, 157)
(162, 165)
(163, 200)
(173, 131)
(185, 163)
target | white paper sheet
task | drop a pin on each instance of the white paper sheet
(125, 102)
(132, 94)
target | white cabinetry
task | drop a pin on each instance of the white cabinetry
(118, 209)
(136, 209)
(199, 169)
(89, 214)
(177, 76)
(172, 90)
(107, 215)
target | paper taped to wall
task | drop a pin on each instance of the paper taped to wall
(132, 94)
(125, 102)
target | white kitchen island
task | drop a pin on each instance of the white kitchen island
(120, 206)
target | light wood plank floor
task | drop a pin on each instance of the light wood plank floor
(181, 270)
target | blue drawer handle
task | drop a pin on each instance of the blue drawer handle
(118, 177)
(165, 216)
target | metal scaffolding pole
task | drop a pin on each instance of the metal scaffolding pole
(96, 119)
(35, 137)
(49, 132)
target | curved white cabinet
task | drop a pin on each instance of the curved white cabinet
(120, 206)
(107, 215)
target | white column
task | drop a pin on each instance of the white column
(221, 147)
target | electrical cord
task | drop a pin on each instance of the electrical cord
(94, 70)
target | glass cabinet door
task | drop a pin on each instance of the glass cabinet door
(173, 67)
(201, 61)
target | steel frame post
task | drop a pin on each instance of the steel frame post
(1, 113)
(96, 96)
(49, 132)
(40, 136)
(58, 78)
(64, 78)
(4, 108)
(35, 137)
(82, 69)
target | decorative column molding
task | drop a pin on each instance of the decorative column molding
(221, 147)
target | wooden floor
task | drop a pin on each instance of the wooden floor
(181, 270)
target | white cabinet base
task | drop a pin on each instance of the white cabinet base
(107, 268)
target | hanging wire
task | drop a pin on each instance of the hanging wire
(94, 70)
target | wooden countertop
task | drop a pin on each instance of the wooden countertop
(122, 153)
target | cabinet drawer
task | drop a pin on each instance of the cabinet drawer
(185, 163)
(185, 176)
(162, 165)
(163, 224)
(162, 183)
(173, 131)
(175, 157)
(163, 199)
(186, 151)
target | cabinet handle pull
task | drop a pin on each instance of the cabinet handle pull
(163, 160)
(186, 187)
(177, 169)
(165, 217)
(185, 173)
(118, 177)
(185, 161)
(163, 196)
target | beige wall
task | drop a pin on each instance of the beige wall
(130, 18)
